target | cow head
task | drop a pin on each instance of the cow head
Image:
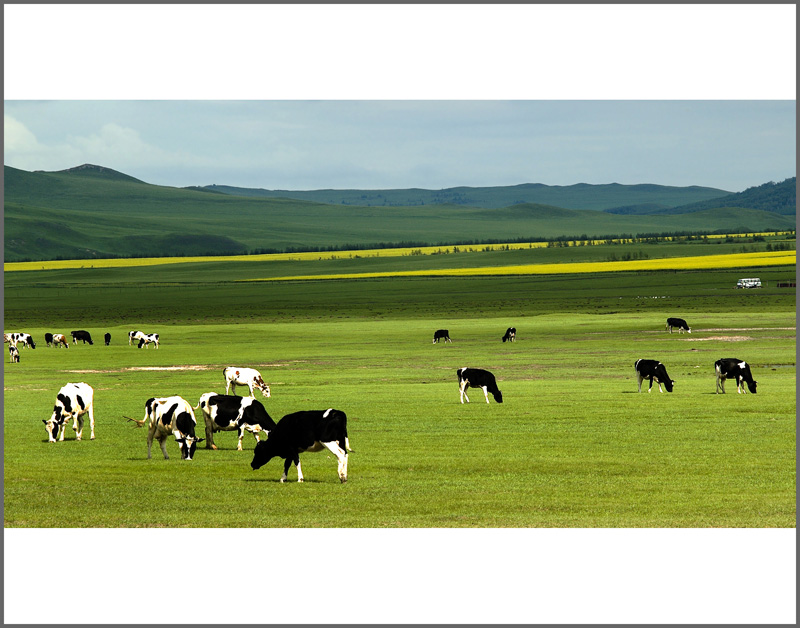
(262, 454)
(498, 396)
(187, 444)
(62, 411)
(264, 388)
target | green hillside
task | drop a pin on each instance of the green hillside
(578, 196)
(96, 212)
(780, 198)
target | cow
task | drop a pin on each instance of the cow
(48, 338)
(309, 430)
(134, 335)
(60, 340)
(224, 413)
(81, 335)
(511, 334)
(738, 370)
(72, 402)
(441, 334)
(678, 323)
(239, 376)
(13, 353)
(16, 338)
(478, 378)
(170, 415)
(655, 372)
(146, 339)
(107, 339)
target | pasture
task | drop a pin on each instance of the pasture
(573, 445)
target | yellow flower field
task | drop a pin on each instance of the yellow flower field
(318, 255)
(735, 260)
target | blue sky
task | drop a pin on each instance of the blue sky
(730, 145)
(405, 96)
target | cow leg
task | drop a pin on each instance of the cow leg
(162, 440)
(485, 393)
(78, 427)
(241, 436)
(651, 385)
(286, 464)
(209, 434)
(640, 379)
(299, 469)
(463, 389)
(341, 456)
(62, 428)
(91, 420)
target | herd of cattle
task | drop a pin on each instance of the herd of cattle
(297, 432)
(312, 430)
(60, 340)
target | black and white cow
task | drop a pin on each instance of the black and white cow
(441, 334)
(240, 376)
(72, 402)
(478, 378)
(48, 339)
(680, 324)
(738, 370)
(82, 335)
(13, 353)
(16, 338)
(60, 340)
(107, 339)
(511, 334)
(224, 413)
(655, 372)
(170, 415)
(134, 335)
(310, 430)
(145, 340)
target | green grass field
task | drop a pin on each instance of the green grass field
(574, 444)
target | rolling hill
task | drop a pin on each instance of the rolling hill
(578, 196)
(94, 212)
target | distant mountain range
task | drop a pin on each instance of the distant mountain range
(92, 211)
(607, 197)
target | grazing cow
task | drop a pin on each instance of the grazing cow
(107, 338)
(679, 323)
(478, 378)
(511, 334)
(146, 339)
(738, 370)
(16, 338)
(441, 334)
(655, 372)
(13, 353)
(238, 376)
(72, 402)
(60, 340)
(170, 415)
(311, 430)
(134, 335)
(48, 338)
(81, 335)
(224, 413)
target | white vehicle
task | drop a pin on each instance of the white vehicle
(754, 282)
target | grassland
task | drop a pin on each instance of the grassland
(573, 445)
